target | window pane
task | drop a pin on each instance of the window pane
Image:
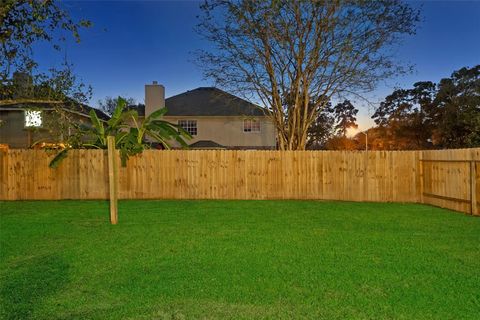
(189, 125)
(250, 125)
(247, 126)
(256, 126)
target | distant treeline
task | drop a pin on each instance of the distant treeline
(428, 115)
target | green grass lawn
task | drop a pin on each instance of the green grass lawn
(237, 260)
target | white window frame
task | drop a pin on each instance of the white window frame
(191, 126)
(252, 129)
(33, 118)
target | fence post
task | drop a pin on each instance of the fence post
(4, 175)
(420, 176)
(365, 177)
(473, 188)
(113, 179)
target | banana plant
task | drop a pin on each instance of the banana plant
(132, 135)
(116, 126)
(158, 130)
(150, 129)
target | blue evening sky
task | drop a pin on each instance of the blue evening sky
(136, 42)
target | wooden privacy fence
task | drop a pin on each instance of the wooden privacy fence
(451, 179)
(383, 176)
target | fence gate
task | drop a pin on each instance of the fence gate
(453, 184)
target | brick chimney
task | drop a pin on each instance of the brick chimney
(154, 97)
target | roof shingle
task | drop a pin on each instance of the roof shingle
(207, 101)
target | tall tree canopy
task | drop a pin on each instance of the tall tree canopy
(321, 129)
(443, 115)
(23, 23)
(407, 116)
(458, 104)
(304, 50)
(346, 117)
(332, 123)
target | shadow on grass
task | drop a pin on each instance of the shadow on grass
(26, 285)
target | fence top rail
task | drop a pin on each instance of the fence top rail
(426, 152)
(15, 151)
(434, 160)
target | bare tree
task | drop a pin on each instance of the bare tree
(109, 104)
(302, 50)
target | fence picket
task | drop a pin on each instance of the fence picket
(446, 178)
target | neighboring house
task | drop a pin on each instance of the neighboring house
(28, 121)
(214, 118)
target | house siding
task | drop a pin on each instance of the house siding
(15, 135)
(228, 131)
(12, 131)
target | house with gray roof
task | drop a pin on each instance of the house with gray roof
(215, 119)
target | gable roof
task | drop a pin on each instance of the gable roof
(210, 101)
(81, 109)
(207, 101)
